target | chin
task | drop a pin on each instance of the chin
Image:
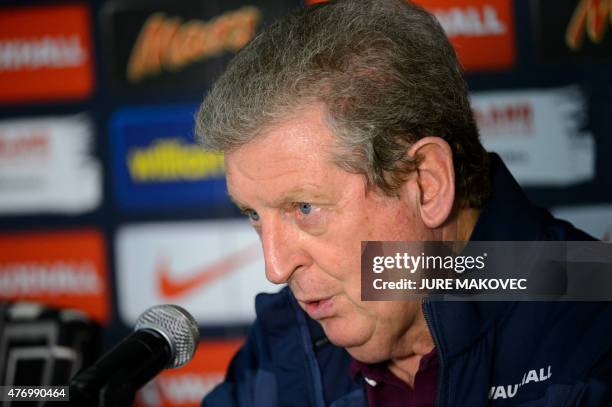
(368, 353)
(355, 338)
(344, 333)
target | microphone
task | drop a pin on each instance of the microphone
(165, 336)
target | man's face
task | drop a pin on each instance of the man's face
(311, 217)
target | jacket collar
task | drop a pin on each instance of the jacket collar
(507, 216)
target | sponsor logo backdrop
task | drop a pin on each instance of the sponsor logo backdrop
(108, 205)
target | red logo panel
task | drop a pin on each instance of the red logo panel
(482, 31)
(45, 53)
(62, 269)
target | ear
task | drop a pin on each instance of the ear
(435, 177)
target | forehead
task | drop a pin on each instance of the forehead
(294, 153)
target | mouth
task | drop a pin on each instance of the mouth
(319, 309)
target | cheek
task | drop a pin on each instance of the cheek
(344, 261)
(340, 250)
(396, 223)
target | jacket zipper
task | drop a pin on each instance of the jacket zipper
(426, 313)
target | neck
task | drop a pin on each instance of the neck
(461, 225)
(420, 344)
(418, 336)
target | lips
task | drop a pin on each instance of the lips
(319, 309)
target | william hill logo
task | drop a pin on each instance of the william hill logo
(591, 17)
(168, 43)
(168, 160)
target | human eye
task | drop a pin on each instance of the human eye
(304, 207)
(310, 217)
(251, 214)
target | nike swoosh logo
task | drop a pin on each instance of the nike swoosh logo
(170, 286)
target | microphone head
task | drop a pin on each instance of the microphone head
(176, 325)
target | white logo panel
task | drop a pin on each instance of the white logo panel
(537, 133)
(46, 166)
(212, 268)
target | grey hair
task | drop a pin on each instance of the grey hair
(386, 74)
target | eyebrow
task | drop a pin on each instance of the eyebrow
(295, 195)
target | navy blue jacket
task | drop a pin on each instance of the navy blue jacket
(528, 354)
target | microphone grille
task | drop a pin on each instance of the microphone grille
(177, 326)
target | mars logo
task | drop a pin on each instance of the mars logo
(591, 17)
(158, 47)
(505, 119)
(573, 31)
(168, 43)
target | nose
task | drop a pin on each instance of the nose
(282, 252)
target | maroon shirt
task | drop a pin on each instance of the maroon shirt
(383, 388)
